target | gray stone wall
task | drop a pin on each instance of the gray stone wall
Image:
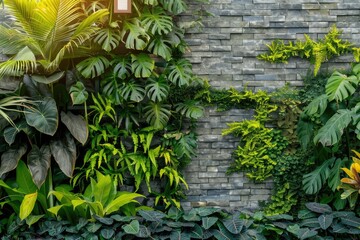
(224, 52)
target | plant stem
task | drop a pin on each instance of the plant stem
(51, 197)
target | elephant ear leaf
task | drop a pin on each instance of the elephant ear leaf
(10, 159)
(64, 152)
(44, 116)
(332, 131)
(39, 163)
(340, 86)
(77, 126)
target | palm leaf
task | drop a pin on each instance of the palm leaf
(340, 86)
(332, 131)
(180, 72)
(142, 65)
(157, 89)
(156, 21)
(11, 41)
(134, 36)
(23, 62)
(157, 114)
(93, 66)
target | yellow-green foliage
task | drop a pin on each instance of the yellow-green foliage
(316, 51)
(282, 201)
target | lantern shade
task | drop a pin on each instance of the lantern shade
(122, 6)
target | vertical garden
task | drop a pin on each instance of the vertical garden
(98, 118)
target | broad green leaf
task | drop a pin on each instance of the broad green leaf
(325, 220)
(197, 232)
(334, 177)
(132, 228)
(304, 132)
(317, 106)
(180, 72)
(142, 65)
(78, 93)
(144, 232)
(134, 36)
(318, 207)
(104, 220)
(156, 21)
(190, 109)
(11, 132)
(93, 227)
(132, 91)
(313, 181)
(340, 86)
(120, 201)
(206, 211)
(77, 126)
(157, 89)
(351, 221)
(305, 233)
(102, 188)
(157, 114)
(39, 162)
(332, 131)
(48, 79)
(339, 228)
(208, 222)
(24, 179)
(233, 224)
(174, 213)
(152, 216)
(64, 153)
(93, 66)
(151, 2)
(107, 233)
(10, 159)
(27, 205)
(32, 219)
(305, 214)
(44, 116)
(310, 222)
(54, 210)
(108, 38)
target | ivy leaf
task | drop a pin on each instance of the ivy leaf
(332, 131)
(312, 182)
(93, 66)
(180, 72)
(157, 114)
(133, 91)
(157, 89)
(156, 21)
(142, 65)
(134, 36)
(108, 38)
(340, 86)
(39, 163)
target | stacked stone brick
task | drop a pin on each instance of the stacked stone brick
(224, 52)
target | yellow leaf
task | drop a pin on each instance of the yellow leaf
(27, 205)
(348, 172)
(348, 181)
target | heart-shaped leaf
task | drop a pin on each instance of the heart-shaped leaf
(76, 125)
(39, 163)
(44, 116)
(10, 159)
(64, 152)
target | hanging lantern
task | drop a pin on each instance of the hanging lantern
(122, 6)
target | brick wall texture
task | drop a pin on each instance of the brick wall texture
(224, 52)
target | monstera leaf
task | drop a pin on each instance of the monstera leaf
(332, 131)
(134, 36)
(317, 106)
(108, 38)
(340, 86)
(38, 161)
(190, 109)
(174, 6)
(157, 89)
(43, 116)
(180, 72)
(133, 91)
(122, 66)
(142, 65)
(78, 93)
(93, 66)
(64, 152)
(161, 47)
(313, 181)
(157, 114)
(156, 21)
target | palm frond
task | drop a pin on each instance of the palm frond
(22, 11)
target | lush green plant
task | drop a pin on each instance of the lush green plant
(316, 51)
